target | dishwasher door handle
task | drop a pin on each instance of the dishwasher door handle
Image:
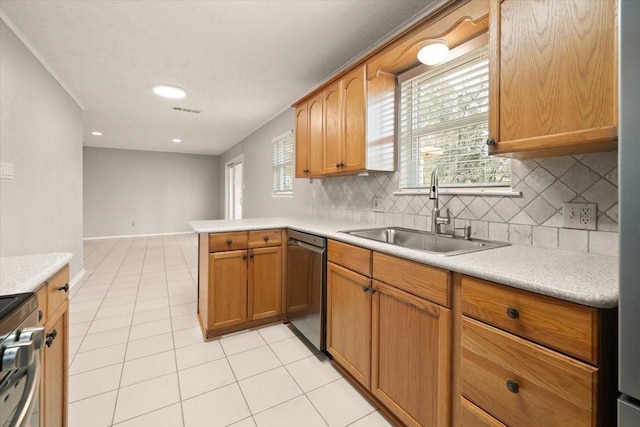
(307, 246)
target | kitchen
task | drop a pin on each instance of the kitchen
(140, 330)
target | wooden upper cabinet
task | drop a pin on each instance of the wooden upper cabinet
(332, 120)
(302, 141)
(354, 105)
(316, 135)
(553, 77)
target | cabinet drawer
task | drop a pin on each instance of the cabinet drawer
(472, 416)
(57, 290)
(564, 326)
(517, 381)
(262, 238)
(352, 257)
(422, 280)
(227, 241)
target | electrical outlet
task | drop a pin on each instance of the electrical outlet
(6, 170)
(579, 215)
(377, 204)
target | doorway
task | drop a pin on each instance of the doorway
(234, 186)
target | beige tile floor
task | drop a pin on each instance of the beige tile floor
(137, 357)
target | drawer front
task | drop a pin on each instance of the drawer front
(517, 381)
(422, 280)
(564, 326)
(352, 257)
(472, 416)
(227, 241)
(57, 290)
(263, 238)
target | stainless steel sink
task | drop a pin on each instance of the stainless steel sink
(439, 244)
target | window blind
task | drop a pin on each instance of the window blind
(282, 163)
(444, 126)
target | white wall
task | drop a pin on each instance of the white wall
(129, 192)
(257, 152)
(41, 134)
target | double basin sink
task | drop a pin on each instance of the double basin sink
(438, 244)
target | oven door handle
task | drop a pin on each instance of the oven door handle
(307, 246)
(34, 387)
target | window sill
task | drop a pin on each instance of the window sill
(504, 192)
(282, 195)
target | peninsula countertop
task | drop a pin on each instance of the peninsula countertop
(20, 274)
(582, 278)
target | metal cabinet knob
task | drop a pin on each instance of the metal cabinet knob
(513, 387)
(513, 313)
(266, 238)
(365, 289)
(229, 241)
(491, 141)
(51, 336)
(244, 257)
(64, 288)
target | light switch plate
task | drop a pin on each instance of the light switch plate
(582, 216)
(6, 170)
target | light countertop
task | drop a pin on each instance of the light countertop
(583, 278)
(19, 274)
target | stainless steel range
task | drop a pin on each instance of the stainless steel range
(20, 340)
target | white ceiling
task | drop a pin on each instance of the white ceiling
(241, 62)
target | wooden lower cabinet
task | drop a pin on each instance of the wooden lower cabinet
(265, 282)
(228, 289)
(472, 416)
(411, 361)
(240, 287)
(349, 321)
(55, 369)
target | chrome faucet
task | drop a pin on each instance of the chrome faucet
(436, 219)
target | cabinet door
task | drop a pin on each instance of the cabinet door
(265, 282)
(349, 321)
(553, 83)
(332, 129)
(228, 289)
(55, 369)
(316, 135)
(411, 365)
(354, 108)
(302, 141)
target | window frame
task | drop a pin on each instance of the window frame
(463, 54)
(286, 137)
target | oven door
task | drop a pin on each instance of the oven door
(20, 374)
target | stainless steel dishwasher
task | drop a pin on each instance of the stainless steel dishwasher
(306, 286)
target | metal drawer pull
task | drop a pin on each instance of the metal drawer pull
(512, 386)
(64, 288)
(229, 242)
(50, 337)
(513, 313)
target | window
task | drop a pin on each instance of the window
(444, 126)
(282, 182)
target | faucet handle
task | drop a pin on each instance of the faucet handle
(448, 216)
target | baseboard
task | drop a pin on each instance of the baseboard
(124, 236)
(77, 278)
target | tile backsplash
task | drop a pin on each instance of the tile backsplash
(533, 219)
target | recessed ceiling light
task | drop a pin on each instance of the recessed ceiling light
(169, 91)
(176, 140)
(433, 53)
(96, 133)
